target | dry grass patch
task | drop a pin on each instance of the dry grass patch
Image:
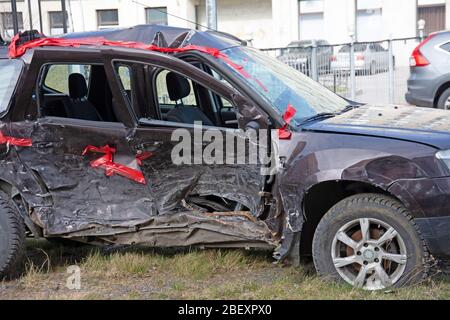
(142, 273)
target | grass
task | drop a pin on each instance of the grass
(142, 273)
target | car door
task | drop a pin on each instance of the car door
(87, 167)
(233, 185)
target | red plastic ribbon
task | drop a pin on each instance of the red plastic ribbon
(284, 133)
(19, 50)
(106, 162)
(20, 142)
(141, 156)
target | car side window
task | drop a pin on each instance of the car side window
(57, 75)
(124, 75)
(165, 95)
(224, 103)
(77, 91)
(169, 98)
(446, 47)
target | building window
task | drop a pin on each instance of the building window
(7, 20)
(56, 19)
(434, 16)
(311, 19)
(156, 15)
(107, 18)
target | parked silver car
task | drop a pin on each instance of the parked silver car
(429, 82)
(370, 58)
(298, 55)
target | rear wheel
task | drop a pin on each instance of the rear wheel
(444, 100)
(371, 242)
(12, 240)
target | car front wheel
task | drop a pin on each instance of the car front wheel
(371, 242)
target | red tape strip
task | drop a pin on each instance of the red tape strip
(141, 156)
(20, 142)
(284, 133)
(17, 51)
(106, 162)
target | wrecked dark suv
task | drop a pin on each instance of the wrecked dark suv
(87, 141)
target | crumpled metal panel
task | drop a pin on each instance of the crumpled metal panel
(188, 229)
(86, 202)
(312, 158)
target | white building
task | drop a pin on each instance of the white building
(267, 23)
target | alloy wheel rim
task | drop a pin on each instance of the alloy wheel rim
(369, 254)
(447, 104)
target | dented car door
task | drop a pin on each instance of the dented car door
(86, 167)
(213, 203)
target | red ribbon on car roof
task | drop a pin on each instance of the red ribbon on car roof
(15, 50)
(20, 142)
(106, 162)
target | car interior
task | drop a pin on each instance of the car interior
(83, 92)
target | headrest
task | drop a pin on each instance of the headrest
(177, 86)
(77, 86)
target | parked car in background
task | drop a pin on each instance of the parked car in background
(370, 58)
(298, 55)
(429, 82)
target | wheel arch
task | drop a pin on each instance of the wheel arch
(321, 197)
(439, 91)
(12, 191)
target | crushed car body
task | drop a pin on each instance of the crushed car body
(92, 161)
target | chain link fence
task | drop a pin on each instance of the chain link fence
(369, 72)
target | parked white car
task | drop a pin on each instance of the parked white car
(370, 58)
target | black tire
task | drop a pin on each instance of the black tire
(443, 98)
(12, 240)
(372, 206)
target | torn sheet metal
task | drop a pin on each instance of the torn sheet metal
(188, 229)
(86, 202)
(106, 162)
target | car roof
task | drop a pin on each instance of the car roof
(163, 36)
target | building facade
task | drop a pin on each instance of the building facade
(265, 23)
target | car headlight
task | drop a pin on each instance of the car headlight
(444, 155)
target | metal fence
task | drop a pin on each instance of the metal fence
(369, 72)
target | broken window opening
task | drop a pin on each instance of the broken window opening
(76, 91)
(165, 95)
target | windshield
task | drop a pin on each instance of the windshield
(282, 85)
(9, 74)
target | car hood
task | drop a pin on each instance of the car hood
(421, 125)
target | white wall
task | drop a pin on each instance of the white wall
(248, 20)
(270, 23)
